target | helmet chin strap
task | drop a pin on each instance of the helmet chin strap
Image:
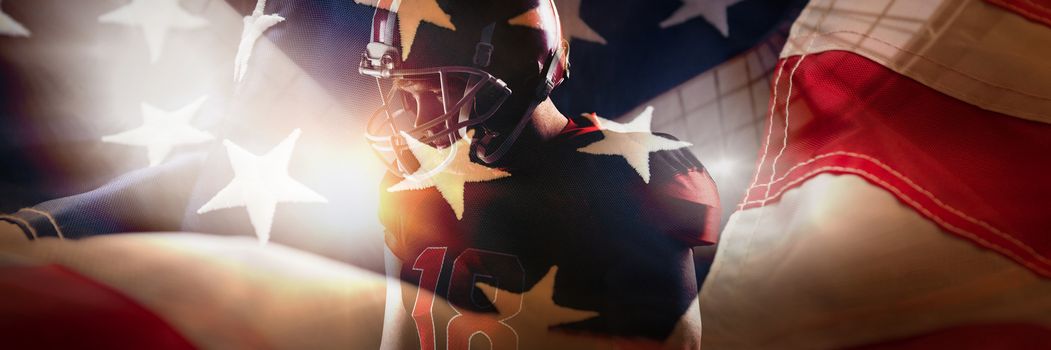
(505, 146)
(543, 90)
(483, 53)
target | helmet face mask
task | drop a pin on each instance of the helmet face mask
(435, 106)
(483, 71)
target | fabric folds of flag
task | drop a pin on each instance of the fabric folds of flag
(183, 291)
(900, 186)
(952, 139)
(45, 298)
(976, 173)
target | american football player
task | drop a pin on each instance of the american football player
(563, 232)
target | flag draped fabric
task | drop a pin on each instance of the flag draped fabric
(82, 168)
(863, 119)
(245, 118)
(899, 189)
(183, 291)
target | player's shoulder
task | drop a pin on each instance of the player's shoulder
(666, 189)
(669, 163)
(570, 148)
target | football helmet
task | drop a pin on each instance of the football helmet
(465, 65)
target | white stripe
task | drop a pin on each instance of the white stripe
(840, 262)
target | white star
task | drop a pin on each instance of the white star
(162, 130)
(410, 14)
(254, 26)
(447, 170)
(259, 183)
(532, 313)
(156, 17)
(713, 11)
(572, 25)
(633, 141)
(10, 27)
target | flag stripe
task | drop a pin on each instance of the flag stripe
(975, 337)
(976, 52)
(1036, 10)
(976, 173)
(54, 307)
(852, 265)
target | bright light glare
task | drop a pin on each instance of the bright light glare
(721, 167)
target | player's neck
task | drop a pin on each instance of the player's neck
(547, 122)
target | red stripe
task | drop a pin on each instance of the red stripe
(1035, 10)
(978, 174)
(976, 337)
(50, 307)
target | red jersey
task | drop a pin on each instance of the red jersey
(621, 246)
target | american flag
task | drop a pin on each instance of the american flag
(84, 85)
(920, 128)
(163, 115)
(898, 195)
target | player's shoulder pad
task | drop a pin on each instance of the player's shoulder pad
(669, 163)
